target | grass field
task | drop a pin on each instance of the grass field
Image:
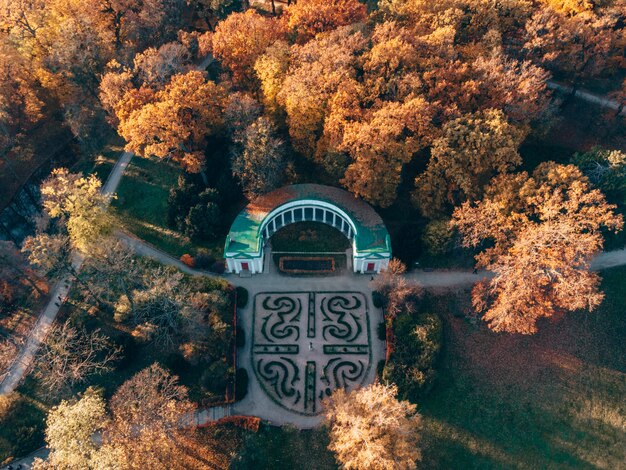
(553, 400)
(141, 207)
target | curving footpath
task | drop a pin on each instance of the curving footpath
(24, 360)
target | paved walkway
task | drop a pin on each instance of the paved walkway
(24, 360)
(22, 363)
(589, 97)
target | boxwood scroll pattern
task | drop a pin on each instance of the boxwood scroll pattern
(306, 344)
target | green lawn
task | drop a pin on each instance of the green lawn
(141, 207)
(553, 400)
(274, 448)
(309, 237)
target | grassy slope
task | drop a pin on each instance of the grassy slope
(141, 206)
(554, 400)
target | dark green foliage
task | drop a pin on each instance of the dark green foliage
(21, 428)
(606, 169)
(215, 377)
(218, 267)
(241, 384)
(241, 337)
(129, 349)
(381, 330)
(412, 362)
(378, 299)
(203, 260)
(242, 297)
(380, 368)
(194, 209)
(274, 448)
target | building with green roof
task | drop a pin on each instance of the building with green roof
(357, 220)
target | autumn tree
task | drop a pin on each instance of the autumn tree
(371, 429)
(387, 138)
(258, 158)
(306, 18)
(155, 67)
(271, 69)
(71, 428)
(518, 88)
(397, 293)
(14, 269)
(241, 111)
(318, 69)
(158, 307)
(20, 101)
(240, 39)
(111, 268)
(541, 232)
(77, 202)
(150, 412)
(579, 46)
(176, 122)
(471, 150)
(71, 354)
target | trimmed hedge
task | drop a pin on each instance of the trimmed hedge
(241, 384)
(242, 296)
(412, 361)
(241, 337)
(382, 331)
(378, 299)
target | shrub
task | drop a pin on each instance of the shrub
(188, 260)
(412, 363)
(129, 349)
(21, 431)
(438, 237)
(204, 260)
(122, 309)
(242, 297)
(218, 267)
(380, 368)
(382, 331)
(241, 337)
(215, 377)
(378, 299)
(241, 384)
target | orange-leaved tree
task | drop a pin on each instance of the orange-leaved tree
(540, 233)
(176, 122)
(240, 39)
(306, 18)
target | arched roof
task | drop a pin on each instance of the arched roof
(245, 235)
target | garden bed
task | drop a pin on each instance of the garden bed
(307, 265)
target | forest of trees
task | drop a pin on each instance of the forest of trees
(404, 103)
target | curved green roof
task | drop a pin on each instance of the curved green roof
(245, 235)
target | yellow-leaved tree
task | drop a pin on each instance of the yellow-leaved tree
(541, 232)
(370, 429)
(471, 150)
(77, 202)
